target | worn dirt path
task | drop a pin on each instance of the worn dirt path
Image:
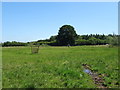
(97, 78)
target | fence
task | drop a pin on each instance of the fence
(34, 48)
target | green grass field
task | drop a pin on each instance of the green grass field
(58, 67)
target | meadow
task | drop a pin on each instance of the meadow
(58, 67)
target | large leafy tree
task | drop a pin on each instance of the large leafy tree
(66, 35)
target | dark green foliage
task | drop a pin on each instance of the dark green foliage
(82, 42)
(66, 35)
(46, 40)
(92, 39)
(112, 40)
(97, 39)
(53, 43)
(53, 38)
(14, 43)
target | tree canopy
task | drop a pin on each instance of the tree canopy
(66, 35)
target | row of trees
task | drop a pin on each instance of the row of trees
(92, 40)
(112, 40)
(68, 36)
(14, 43)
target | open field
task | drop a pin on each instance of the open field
(58, 67)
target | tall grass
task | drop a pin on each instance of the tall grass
(58, 67)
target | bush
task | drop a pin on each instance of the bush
(82, 42)
(113, 41)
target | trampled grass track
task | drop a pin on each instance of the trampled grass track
(58, 67)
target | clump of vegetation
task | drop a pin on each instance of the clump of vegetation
(113, 40)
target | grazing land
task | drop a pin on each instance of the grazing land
(59, 67)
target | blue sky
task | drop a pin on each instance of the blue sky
(30, 21)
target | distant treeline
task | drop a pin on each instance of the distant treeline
(92, 39)
(13, 43)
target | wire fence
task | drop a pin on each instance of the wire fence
(34, 49)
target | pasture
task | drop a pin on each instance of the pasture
(58, 67)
